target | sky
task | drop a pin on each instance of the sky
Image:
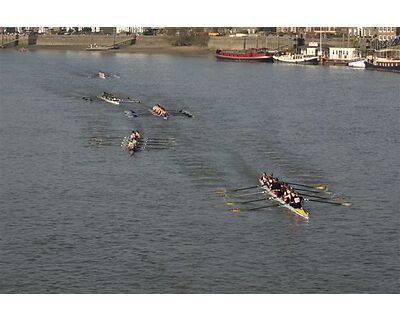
(178, 13)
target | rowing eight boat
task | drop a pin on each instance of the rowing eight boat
(298, 211)
(158, 115)
(116, 101)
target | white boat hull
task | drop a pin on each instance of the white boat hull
(109, 101)
(357, 64)
(297, 59)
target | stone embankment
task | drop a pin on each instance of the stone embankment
(162, 42)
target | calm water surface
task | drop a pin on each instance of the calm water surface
(83, 218)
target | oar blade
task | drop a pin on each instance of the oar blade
(347, 204)
(229, 203)
(222, 195)
(234, 210)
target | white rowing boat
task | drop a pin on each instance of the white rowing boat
(298, 211)
(115, 101)
(101, 75)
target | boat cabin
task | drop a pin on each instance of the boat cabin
(344, 54)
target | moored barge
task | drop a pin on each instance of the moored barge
(244, 55)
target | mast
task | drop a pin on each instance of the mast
(320, 42)
(348, 37)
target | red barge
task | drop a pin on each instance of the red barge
(244, 55)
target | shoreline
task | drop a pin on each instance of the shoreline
(187, 50)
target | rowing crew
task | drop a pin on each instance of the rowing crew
(133, 140)
(101, 74)
(281, 190)
(160, 111)
(110, 96)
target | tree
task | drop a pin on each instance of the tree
(87, 29)
(187, 36)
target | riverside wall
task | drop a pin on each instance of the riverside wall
(101, 40)
(227, 43)
(78, 40)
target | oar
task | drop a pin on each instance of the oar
(316, 186)
(181, 112)
(262, 207)
(230, 203)
(311, 195)
(256, 208)
(235, 190)
(186, 113)
(156, 139)
(153, 146)
(240, 189)
(155, 142)
(346, 204)
(131, 101)
(333, 197)
(311, 191)
(246, 194)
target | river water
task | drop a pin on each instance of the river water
(77, 217)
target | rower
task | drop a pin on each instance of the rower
(270, 180)
(275, 186)
(136, 134)
(156, 109)
(132, 136)
(132, 144)
(287, 192)
(296, 201)
(263, 179)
